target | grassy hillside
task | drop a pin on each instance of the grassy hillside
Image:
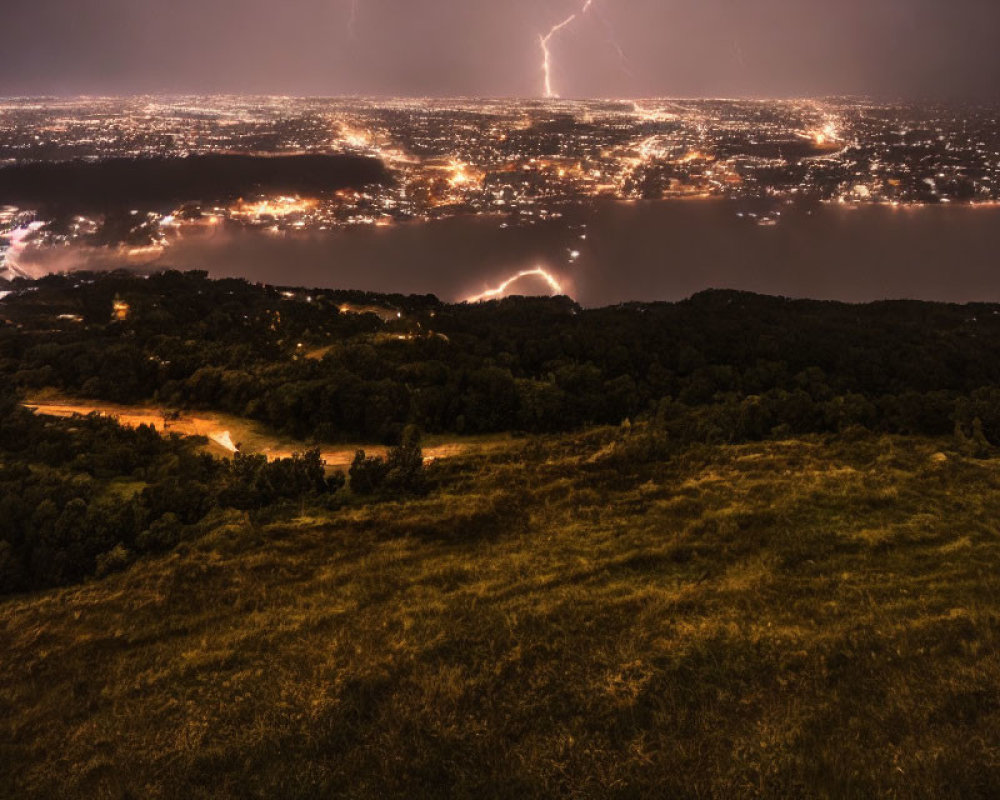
(815, 617)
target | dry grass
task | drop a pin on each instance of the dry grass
(792, 619)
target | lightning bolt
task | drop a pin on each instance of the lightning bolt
(546, 39)
(613, 41)
(492, 294)
(352, 22)
(738, 52)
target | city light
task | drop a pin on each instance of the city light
(525, 162)
(273, 207)
(501, 290)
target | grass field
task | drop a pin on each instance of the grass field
(811, 618)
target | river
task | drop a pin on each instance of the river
(615, 252)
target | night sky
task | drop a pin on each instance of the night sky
(757, 48)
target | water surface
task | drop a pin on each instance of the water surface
(633, 251)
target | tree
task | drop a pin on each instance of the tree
(405, 463)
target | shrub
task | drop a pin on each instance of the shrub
(367, 474)
(115, 560)
(402, 471)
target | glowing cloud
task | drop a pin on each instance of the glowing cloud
(500, 291)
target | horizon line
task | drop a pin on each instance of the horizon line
(536, 99)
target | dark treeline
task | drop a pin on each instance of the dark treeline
(83, 186)
(294, 361)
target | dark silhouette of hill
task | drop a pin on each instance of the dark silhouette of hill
(152, 182)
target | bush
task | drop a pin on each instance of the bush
(253, 482)
(163, 534)
(367, 474)
(405, 463)
(402, 471)
(115, 560)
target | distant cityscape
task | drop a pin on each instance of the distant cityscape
(525, 161)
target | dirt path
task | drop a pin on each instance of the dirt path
(226, 432)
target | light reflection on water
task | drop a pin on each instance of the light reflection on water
(640, 251)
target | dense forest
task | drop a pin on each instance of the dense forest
(332, 365)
